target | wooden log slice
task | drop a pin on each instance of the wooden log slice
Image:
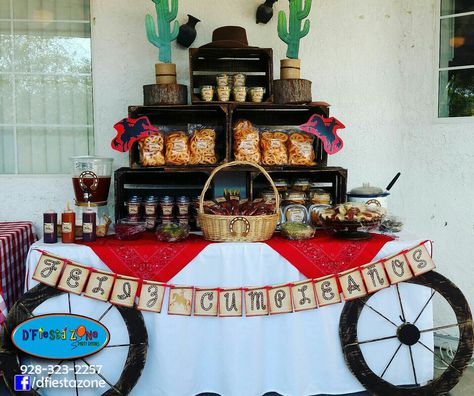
(295, 91)
(160, 94)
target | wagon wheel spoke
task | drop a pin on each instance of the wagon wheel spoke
(413, 365)
(69, 302)
(377, 312)
(124, 345)
(391, 360)
(373, 340)
(105, 380)
(402, 317)
(439, 357)
(105, 313)
(75, 376)
(444, 327)
(424, 307)
(50, 374)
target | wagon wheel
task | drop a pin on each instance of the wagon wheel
(408, 334)
(10, 357)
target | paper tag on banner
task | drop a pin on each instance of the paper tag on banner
(280, 299)
(124, 291)
(256, 302)
(420, 260)
(352, 284)
(48, 270)
(206, 302)
(151, 296)
(74, 278)
(327, 291)
(100, 285)
(398, 269)
(181, 300)
(304, 296)
(375, 277)
(230, 302)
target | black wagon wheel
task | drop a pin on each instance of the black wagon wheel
(10, 356)
(407, 333)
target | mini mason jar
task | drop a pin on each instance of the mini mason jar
(134, 208)
(240, 93)
(166, 205)
(207, 93)
(239, 80)
(223, 93)
(150, 206)
(182, 204)
(256, 94)
(222, 79)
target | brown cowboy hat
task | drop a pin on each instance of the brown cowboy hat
(228, 37)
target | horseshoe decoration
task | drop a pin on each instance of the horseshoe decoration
(88, 175)
(373, 202)
(235, 220)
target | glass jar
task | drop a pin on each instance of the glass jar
(314, 211)
(207, 93)
(150, 223)
(166, 205)
(150, 206)
(183, 220)
(222, 80)
(239, 80)
(182, 205)
(167, 220)
(319, 196)
(301, 184)
(295, 197)
(134, 208)
(281, 184)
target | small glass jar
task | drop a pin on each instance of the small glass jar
(223, 93)
(150, 206)
(301, 184)
(281, 184)
(167, 220)
(240, 93)
(239, 80)
(222, 79)
(319, 196)
(207, 93)
(134, 208)
(182, 205)
(166, 205)
(183, 220)
(295, 197)
(256, 94)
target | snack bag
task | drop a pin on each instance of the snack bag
(300, 149)
(202, 147)
(151, 150)
(273, 145)
(246, 142)
(177, 148)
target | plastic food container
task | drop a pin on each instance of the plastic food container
(297, 231)
(319, 196)
(295, 214)
(314, 211)
(172, 232)
(281, 184)
(301, 185)
(295, 197)
(126, 230)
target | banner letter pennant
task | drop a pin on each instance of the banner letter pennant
(151, 296)
(230, 302)
(304, 296)
(124, 291)
(74, 278)
(206, 302)
(100, 285)
(256, 302)
(420, 260)
(375, 277)
(181, 300)
(280, 299)
(327, 291)
(352, 284)
(397, 269)
(48, 270)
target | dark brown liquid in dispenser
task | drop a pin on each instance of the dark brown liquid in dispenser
(99, 194)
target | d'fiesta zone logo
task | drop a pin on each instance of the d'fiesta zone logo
(60, 336)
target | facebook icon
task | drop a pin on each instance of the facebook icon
(22, 383)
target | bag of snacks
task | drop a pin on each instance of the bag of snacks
(202, 147)
(177, 148)
(274, 151)
(151, 150)
(246, 142)
(300, 149)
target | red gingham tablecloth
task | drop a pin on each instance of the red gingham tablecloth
(15, 241)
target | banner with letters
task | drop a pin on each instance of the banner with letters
(185, 300)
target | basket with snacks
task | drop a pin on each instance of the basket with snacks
(231, 219)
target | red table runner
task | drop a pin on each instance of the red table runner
(149, 259)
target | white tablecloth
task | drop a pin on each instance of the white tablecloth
(292, 354)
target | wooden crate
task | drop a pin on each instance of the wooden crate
(181, 116)
(280, 115)
(206, 63)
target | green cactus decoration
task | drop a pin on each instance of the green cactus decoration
(164, 17)
(295, 33)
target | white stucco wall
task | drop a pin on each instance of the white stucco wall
(374, 61)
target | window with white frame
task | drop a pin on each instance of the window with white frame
(45, 85)
(456, 59)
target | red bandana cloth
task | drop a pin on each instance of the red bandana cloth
(149, 259)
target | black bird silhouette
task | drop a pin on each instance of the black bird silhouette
(265, 11)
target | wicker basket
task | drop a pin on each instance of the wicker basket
(219, 228)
